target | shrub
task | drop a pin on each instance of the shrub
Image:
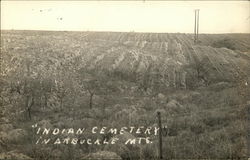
(224, 43)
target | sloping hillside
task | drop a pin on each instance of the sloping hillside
(122, 79)
(173, 57)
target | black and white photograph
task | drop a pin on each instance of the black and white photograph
(125, 80)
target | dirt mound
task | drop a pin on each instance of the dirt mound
(16, 135)
(102, 155)
(14, 155)
(6, 127)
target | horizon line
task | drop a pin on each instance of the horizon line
(118, 31)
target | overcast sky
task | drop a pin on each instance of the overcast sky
(139, 16)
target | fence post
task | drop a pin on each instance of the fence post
(160, 135)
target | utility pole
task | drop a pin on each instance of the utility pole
(160, 135)
(196, 25)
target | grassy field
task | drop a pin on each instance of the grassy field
(87, 79)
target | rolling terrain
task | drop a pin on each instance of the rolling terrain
(65, 79)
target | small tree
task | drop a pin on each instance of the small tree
(88, 83)
(63, 86)
(95, 83)
(91, 85)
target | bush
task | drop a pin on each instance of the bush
(224, 43)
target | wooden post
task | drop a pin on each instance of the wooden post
(160, 135)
